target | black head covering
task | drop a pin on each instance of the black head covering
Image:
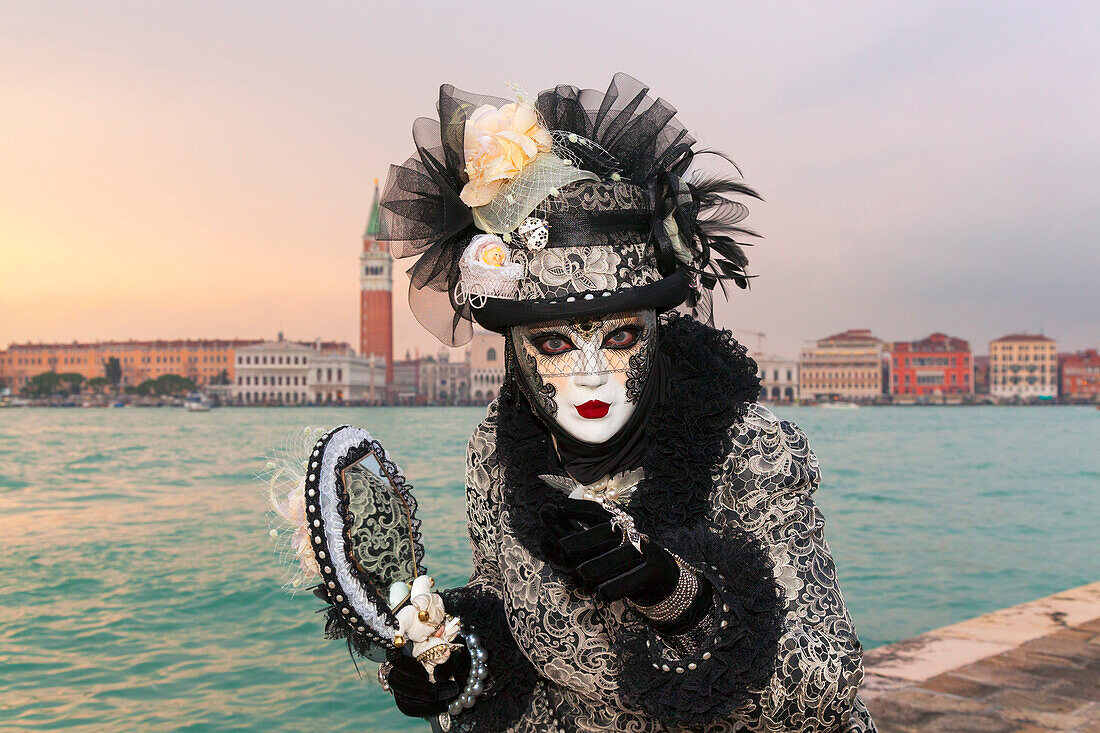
(642, 158)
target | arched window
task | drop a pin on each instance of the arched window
(491, 354)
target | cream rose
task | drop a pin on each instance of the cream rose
(497, 144)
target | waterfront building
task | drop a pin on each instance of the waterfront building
(405, 388)
(937, 365)
(845, 366)
(981, 374)
(296, 373)
(450, 379)
(1023, 366)
(778, 378)
(376, 293)
(1079, 376)
(340, 376)
(200, 360)
(486, 366)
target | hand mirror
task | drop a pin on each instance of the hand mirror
(362, 525)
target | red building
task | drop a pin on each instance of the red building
(376, 294)
(937, 365)
(1080, 376)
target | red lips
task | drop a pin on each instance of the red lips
(593, 409)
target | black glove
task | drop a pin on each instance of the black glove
(416, 695)
(585, 545)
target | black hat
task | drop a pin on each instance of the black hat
(571, 205)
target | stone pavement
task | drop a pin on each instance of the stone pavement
(1033, 667)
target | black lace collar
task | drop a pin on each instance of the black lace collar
(712, 383)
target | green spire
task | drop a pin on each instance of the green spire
(373, 225)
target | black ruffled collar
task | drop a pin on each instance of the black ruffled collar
(712, 381)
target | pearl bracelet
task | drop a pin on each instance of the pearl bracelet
(475, 683)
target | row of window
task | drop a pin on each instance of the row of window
(1025, 357)
(279, 380)
(257, 360)
(940, 361)
(775, 375)
(934, 378)
(1017, 367)
(838, 375)
(88, 360)
(275, 381)
(292, 397)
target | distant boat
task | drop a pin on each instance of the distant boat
(839, 405)
(196, 403)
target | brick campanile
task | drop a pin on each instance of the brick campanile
(376, 294)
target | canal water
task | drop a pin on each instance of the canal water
(140, 591)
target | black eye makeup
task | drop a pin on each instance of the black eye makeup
(551, 344)
(621, 338)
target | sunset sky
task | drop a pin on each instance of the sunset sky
(204, 169)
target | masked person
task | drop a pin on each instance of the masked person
(647, 552)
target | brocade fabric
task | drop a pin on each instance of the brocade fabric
(567, 663)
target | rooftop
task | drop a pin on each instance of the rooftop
(374, 224)
(937, 342)
(1022, 337)
(134, 344)
(853, 334)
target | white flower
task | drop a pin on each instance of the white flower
(497, 144)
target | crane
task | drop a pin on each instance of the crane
(759, 338)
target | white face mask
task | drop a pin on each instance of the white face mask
(588, 375)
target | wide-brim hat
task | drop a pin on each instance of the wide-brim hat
(571, 205)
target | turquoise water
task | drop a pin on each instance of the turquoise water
(140, 592)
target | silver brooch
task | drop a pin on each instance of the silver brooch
(625, 524)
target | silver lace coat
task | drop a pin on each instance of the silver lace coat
(765, 487)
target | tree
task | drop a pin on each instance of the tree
(97, 384)
(222, 377)
(147, 387)
(174, 384)
(167, 384)
(112, 370)
(71, 382)
(44, 384)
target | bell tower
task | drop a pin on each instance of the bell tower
(376, 293)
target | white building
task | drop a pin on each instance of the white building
(778, 378)
(486, 366)
(272, 372)
(293, 373)
(343, 376)
(1023, 366)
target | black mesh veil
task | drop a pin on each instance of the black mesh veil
(619, 133)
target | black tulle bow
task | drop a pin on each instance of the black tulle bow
(621, 133)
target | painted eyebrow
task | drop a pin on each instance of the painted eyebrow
(618, 323)
(549, 331)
